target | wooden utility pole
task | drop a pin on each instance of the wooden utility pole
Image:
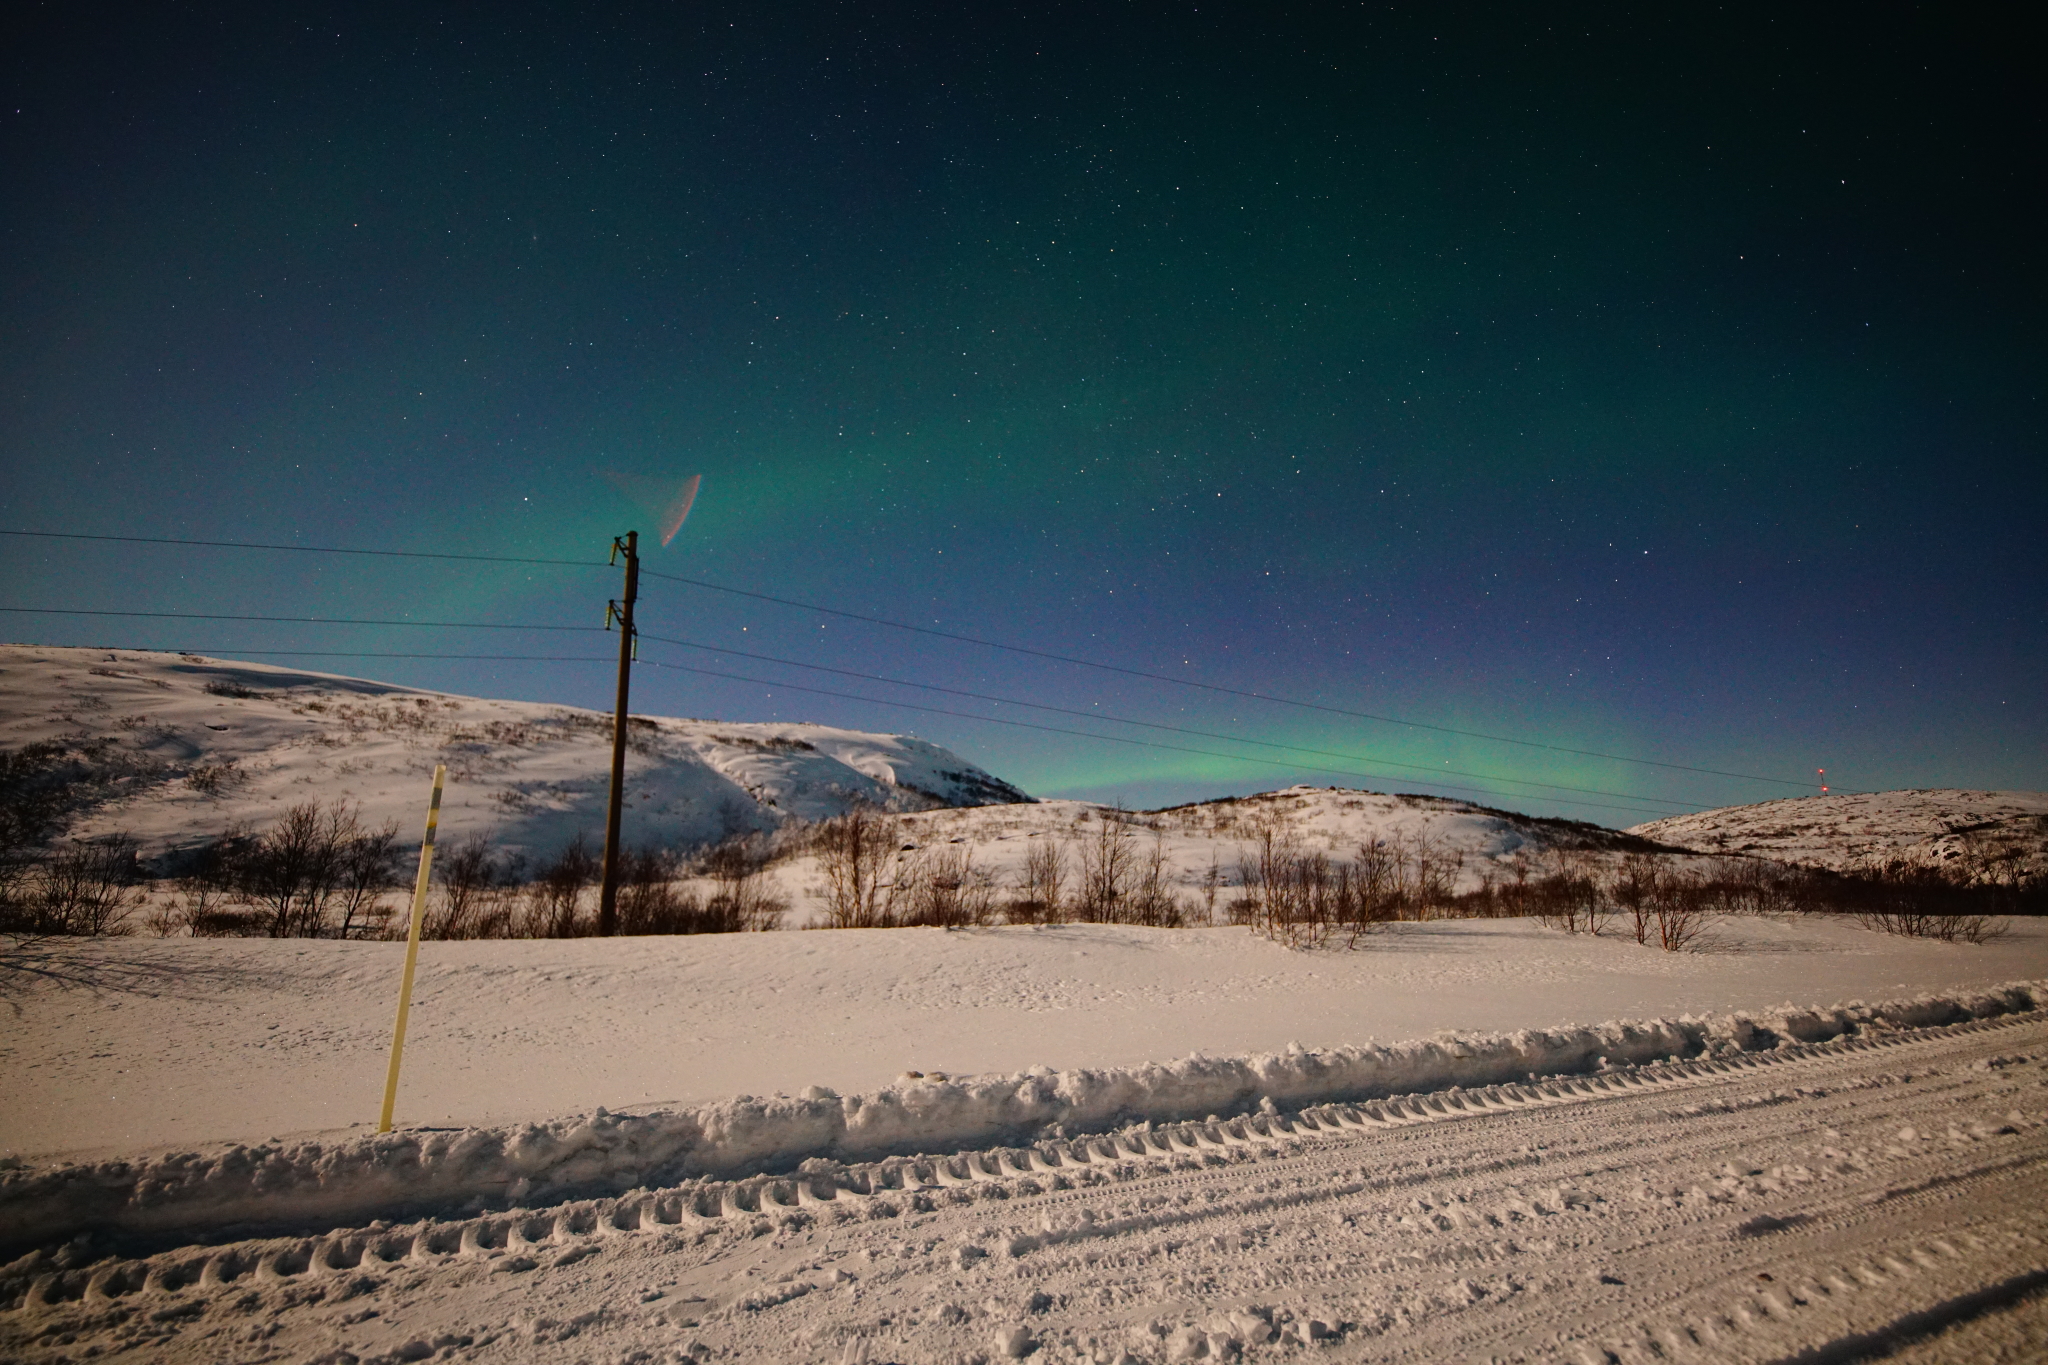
(622, 611)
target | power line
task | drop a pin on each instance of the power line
(876, 701)
(1214, 687)
(1113, 739)
(485, 625)
(308, 549)
(871, 620)
(379, 654)
(1171, 729)
(293, 620)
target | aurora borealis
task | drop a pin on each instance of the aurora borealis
(1659, 384)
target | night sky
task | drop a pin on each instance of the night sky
(1660, 383)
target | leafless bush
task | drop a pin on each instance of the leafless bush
(208, 883)
(1916, 898)
(554, 899)
(474, 894)
(941, 888)
(651, 902)
(1946, 928)
(165, 918)
(1569, 897)
(1212, 883)
(1305, 898)
(1041, 892)
(314, 862)
(368, 868)
(1108, 866)
(1753, 886)
(737, 867)
(854, 851)
(84, 889)
(1635, 890)
(1153, 901)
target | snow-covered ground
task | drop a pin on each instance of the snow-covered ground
(1810, 1184)
(1841, 832)
(180, 747)
(1072, 1142)
(131, 1046)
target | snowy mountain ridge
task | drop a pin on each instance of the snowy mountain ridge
(174, 748)
(1941, 826)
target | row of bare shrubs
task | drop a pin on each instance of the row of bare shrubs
(483, 893)
(1304, 897)
(1661, 901)
(1102, 876)
(320, 872)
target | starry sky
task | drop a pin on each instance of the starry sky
(1624, 393)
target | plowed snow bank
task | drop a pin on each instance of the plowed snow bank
(312, 1184)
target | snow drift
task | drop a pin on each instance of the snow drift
(401, 1174)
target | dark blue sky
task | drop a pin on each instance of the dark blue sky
(1659, 384)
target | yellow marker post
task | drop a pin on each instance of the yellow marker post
(412, 952)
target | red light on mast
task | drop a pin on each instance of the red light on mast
(1823, 784)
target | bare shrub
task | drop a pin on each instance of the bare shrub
(1635, 890)
(1683, 909)
(212, 779)
(368, 869)
(1212, 884)
(1041, 891)
(651, 902)
(1153, 902)
(737, 867)
(1914, 898)
(853, 851)
(554, 899)
(1432, 872)
(85, 889)
(1108, 863)
(1569, 896)
(1305, 898)
(165, 918)
(1379, 885)
(473, 891)
(209, 881)
(313, 861)
(941, 888)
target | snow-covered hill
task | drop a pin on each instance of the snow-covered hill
(174, 748)
(1943, 826)
(1200, 846)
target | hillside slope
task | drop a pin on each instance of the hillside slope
(1200, 846)
(174, 748)
(1945, 826)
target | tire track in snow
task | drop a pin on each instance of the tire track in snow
(1061, 1174)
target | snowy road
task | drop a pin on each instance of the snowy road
(1822, 1202)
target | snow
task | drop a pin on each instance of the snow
(184, 746)
(276, 1048)
(1202, 845)
(1844, 830)
(1073, 1142)
(1800, 1184)
(314, 1183)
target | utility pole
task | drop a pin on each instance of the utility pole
(629, 645)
